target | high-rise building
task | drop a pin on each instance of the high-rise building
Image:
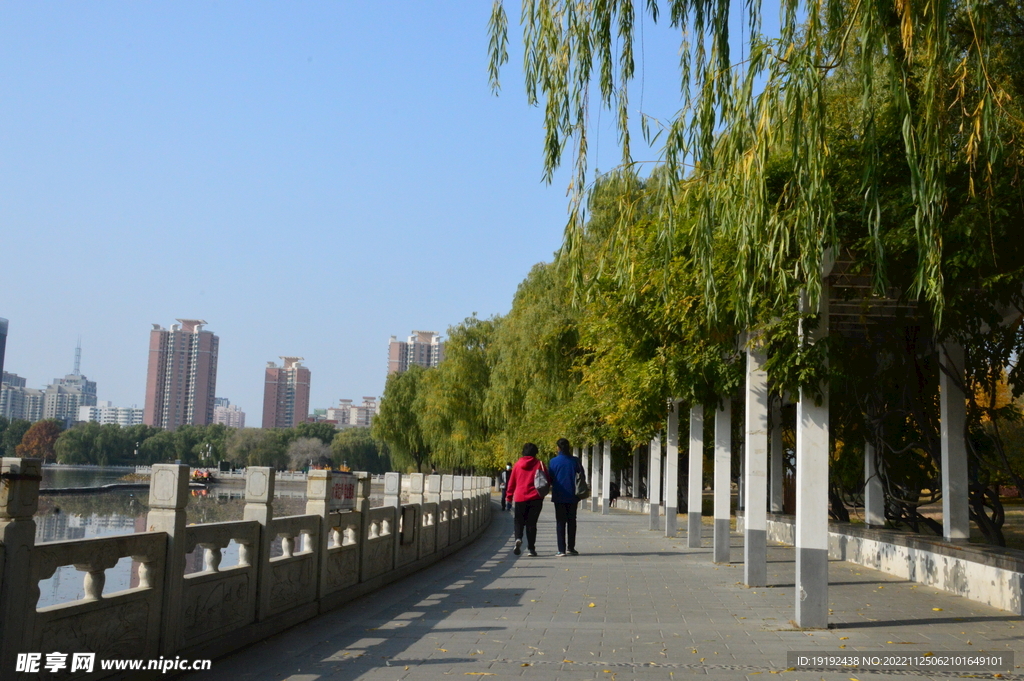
(182, 377)
(424, 348)
(228, 414)
(19, 402)
(3, 343)
(105, 412)
(63, 397)
(285, 393)
(347, 414)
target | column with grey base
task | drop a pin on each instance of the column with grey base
(777, 457)
(695, 488)
(672, 471)
(723, 480)
(953, 416)
(606, 478)
(874, 501)
(755, 471)
(595, 486)
(654, 483)
(585, 460)
(634, 482)
(812, 456)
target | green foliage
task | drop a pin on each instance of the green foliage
(322, 431)
(259, 447)
(398, 421)
(356, 449)
(305, 452)
(12, 436)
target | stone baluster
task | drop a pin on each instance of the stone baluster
(168, 498)
(19, 499)
(393, 489)
(259, 506)
(363, 485)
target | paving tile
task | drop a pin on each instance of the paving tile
(485, 611)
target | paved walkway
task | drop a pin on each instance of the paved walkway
(634, 605)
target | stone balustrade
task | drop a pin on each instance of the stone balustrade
(327, 557)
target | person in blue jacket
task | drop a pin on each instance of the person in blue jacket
(562, 471)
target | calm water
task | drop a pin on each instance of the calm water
(124, 512)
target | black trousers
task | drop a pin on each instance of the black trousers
(565, 522)
(504, 501)
(527, 513)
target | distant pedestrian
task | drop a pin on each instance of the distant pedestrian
(503, 485)
(528, 501)
(613, 493)
(563, 469)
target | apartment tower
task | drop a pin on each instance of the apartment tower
(182, 377)
(424, 348)
(285, 394)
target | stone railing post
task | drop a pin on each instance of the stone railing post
(168, 498)
(364, 481)
(393, 489)
(446, 488)
(433, 489)
(416, 481)
(259, 506)
(318, 495)
(19, 499)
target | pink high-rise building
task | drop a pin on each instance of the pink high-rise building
(182, 376)
(285, 394)
(424, 348)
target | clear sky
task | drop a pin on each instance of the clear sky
(308, 177)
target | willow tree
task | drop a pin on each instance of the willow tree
(940, 62)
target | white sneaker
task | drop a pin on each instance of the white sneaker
(519, 547)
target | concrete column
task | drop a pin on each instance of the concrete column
(874, 499)
(723, 480)
(654, 483)
(777, 457)
(606, 478)
(695, 491)
(595, 481)
(168, 498)
(19, 500)
(672, 471)
(755, 472)
(953, 415)
(634, 482)
(812, 457)
(585, 460)
(259, 506)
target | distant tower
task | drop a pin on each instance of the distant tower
(3, 343)
(182, 377)
(285, 394)
(424, 348)
(78, 358)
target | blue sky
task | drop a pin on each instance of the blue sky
(310, 178)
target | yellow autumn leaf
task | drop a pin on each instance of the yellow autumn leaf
(937, 609)
(592, 605)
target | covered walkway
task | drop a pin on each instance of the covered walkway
(635, 604)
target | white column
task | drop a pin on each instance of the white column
(606, 478)
(953, 415)
(723, 480)
(777, 456)
(595, 488)
(812, 457)
(634, 482)
(874, 501)
(755, 472)
(672, 471)
(654, 483)
(585, 460)
(695, 491)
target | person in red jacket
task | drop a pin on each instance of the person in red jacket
(528, 500)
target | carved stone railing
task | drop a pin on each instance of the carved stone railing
(326, 558)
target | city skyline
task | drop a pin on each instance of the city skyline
(323, 161)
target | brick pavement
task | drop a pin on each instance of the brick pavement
(634, 605)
